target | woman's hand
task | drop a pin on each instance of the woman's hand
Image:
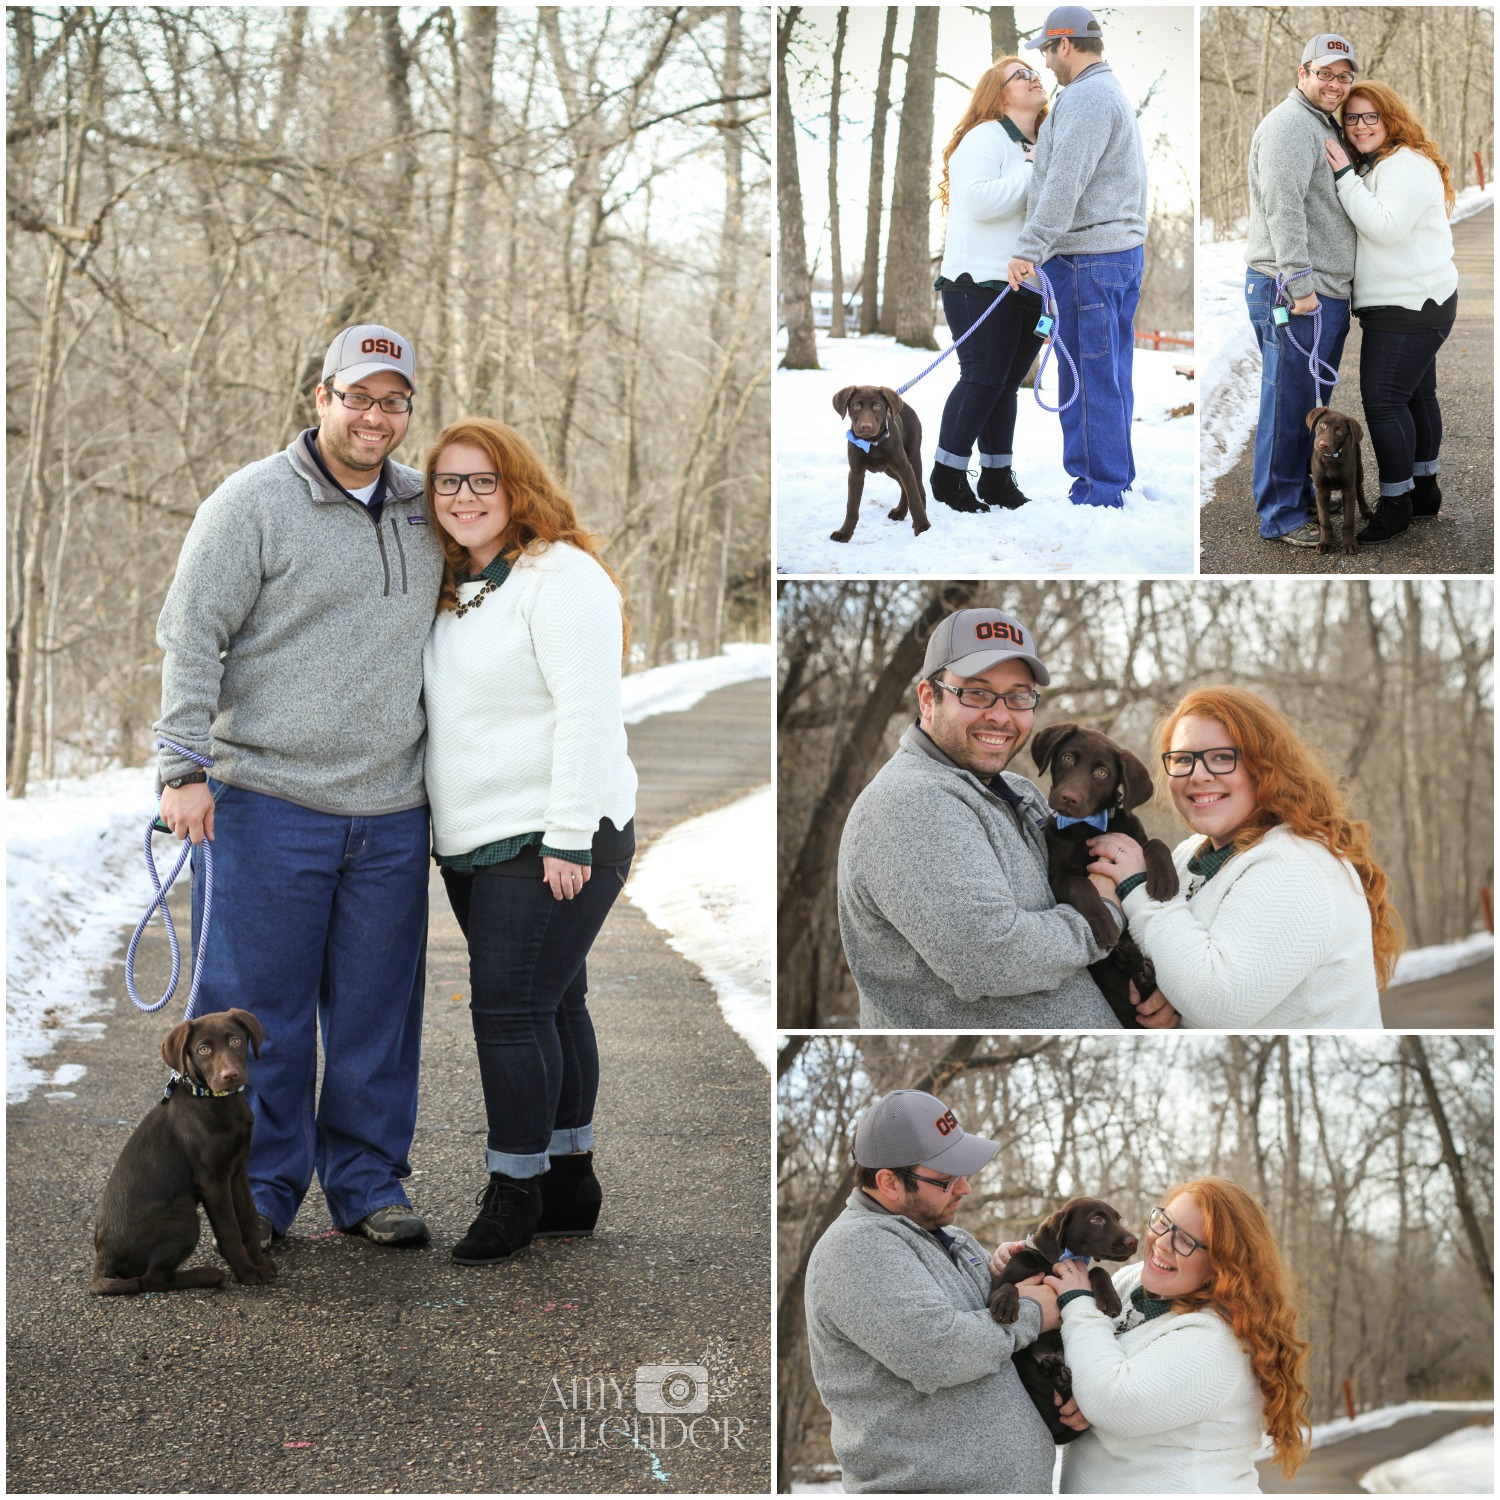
(1068, 1276)
(1069, 1415)
(1017, 271)
(565, 878)
(1001, 1258)
(1338, 158)
(1155, 1012)
(1116, 855)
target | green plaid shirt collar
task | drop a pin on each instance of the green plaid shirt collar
(1208, 861)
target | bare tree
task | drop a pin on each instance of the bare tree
(869, 308)
(795, 281)
(836, 329)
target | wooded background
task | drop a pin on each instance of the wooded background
(909, 123)
(567, 210)
(1372, 1156)
(1391, 681)
(1439, 59)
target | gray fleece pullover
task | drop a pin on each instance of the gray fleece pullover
(914, 1371)
(947, 918)
(1296, 220)
(292, 638)
(1088, 175)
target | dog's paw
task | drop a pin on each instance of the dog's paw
(1106, 934)
(840, 536)
(254, 1275)
(1005, 1304)
(1350, 548)
(918, 527)
(1107, 1300)
(899, 514)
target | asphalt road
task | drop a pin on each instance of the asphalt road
(363, 1369)
(1335, 1470)
(1461, 1001)
(1461, 537)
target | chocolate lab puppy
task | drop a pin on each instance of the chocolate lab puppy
(192, 1148)
(1095, 783)
(885, 437)
(1082, 1229)
(1337, 465)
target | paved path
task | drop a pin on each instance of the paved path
(370, 1370)
(1460, 1001)
(1335, 1470)
(1461, 538)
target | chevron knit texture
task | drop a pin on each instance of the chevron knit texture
(1405, 244)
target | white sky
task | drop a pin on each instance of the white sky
(1140, 43)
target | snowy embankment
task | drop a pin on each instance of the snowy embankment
(1227, 351)
(1155, 532)
(75, 875)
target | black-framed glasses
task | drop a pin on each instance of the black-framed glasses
(1218, 762)
(1022, 701)
(392, 406)
(939, 1183)
(1180, 1240)
(479, 484)
(1026, 73)
(1323, 75)
(1369, 117)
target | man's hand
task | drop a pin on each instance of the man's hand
(1069, 1415)
(1305, 306)
(1338, 158)
(1018, 271)
(1155, 1012)
(1045, 1297)
(189, 811)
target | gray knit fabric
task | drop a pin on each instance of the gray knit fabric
(946, 915)
(292, 638)
(914, 1371)
(1295, 217)
(1088, 174)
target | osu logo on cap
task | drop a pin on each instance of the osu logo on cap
(946, 1123)
(380, 346)
(1333, 44)
(998, 630)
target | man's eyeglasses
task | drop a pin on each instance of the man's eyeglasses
(941, 1185)
(1218, 762)
(451, 484)
(971, 697)
(1025, 73)
(392, 406)
(1370, 117)
(1180, 1240)
(1344, 80)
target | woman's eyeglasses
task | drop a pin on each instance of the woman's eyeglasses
(1370, 117)
(1025, 73)
(480, 484)
(1218, 762)
(1180, 1240)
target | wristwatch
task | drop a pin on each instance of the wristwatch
(188, 780)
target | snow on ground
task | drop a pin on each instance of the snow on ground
(1443, 958)
(1462, 1463)
(1227, 350)
(1154, 533)
(716, 908)
(75, 875)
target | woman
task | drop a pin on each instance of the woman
(1405, 295)
(1281, 920)
(533, 800)
(1204, 1359)
(984, 190)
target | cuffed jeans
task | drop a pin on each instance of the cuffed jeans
(1398, 384)
(1096, 302)
(319, 921)
(538, 1060)
(1282, 480)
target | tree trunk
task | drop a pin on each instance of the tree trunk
(869, 287)
(836, 328)
(911, 206)
(1005, 40)
(795, 288)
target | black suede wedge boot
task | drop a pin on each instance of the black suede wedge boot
(571, 1197)
(509, 1208)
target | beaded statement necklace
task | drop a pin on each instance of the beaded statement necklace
(489, 588)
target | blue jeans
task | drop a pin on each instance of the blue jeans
(1282, 481)
(1096, 302)
(1398, 385)
(538, 1060)
(320, 923)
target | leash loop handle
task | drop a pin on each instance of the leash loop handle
(1316, 365)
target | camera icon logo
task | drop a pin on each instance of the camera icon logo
(671, 1389)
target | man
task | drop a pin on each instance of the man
(1086, 219)
(946, 914)
(1300, 256)
(292, 657)
(914, 1371)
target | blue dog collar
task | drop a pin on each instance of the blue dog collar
(196, 1089)
(1099, 820)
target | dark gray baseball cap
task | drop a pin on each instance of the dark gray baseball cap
(908, 1128)
(367, 349)
(1328, 46)
(971, 641)
(1066, 21)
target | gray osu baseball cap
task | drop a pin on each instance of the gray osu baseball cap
(971, 641)
(1327, 46)
(908, 1128)
(367, 349)
(1069, 21)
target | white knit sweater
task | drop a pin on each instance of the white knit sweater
(524, 727)
(1405, 248)
(1279, 939)
(987, 178)
(1174, 1403)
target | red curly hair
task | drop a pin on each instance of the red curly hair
(985, 103)
(1294, 789)
(1402, 128)
(1256, 1293)
(540, 511)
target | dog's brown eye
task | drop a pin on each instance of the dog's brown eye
(1102, 772)
(1066, 758)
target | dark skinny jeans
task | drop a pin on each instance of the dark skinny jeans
(1398, 383)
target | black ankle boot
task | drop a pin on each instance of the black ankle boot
(1426, 498)
(1392, 517)
(999, 487)
(571, 1196)
(951, 486)
(509, 1208)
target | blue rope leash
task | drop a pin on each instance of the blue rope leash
(1049, 314)
(1315, 363)
(160, 901)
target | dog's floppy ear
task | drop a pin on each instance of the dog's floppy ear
(251, 1026)
(174, 1047)
(1355, 430)
(892, 400)
(1135, 780)
(1050, 1237)
(1044, 745)
(1314, 414)
(841, 399)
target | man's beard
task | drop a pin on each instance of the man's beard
(917, 1211)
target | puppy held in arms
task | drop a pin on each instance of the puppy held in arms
(193, 1147)
(1095, 783)
(1082, 1229)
